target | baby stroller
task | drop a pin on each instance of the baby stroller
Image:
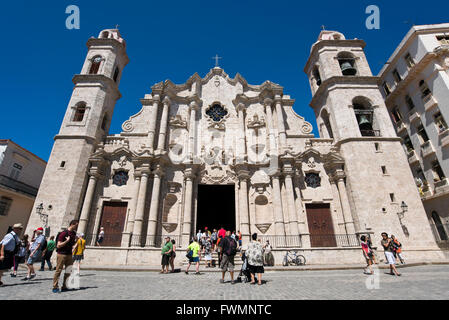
(244, 271)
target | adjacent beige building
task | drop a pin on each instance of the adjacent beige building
(217, 151)
(415, 86)
(20, 176)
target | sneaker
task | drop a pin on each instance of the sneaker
(26, 279)
(221, 281)
(55, 291)
(13, 275)
(32, 276)
(186, 272)
(197, 273)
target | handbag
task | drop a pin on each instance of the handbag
(189, 254)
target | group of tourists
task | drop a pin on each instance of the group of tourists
(227, 244)
(392, 250)
(68, 245)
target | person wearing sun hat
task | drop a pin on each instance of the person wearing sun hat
(35, 252)
(8, 249)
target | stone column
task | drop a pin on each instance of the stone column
(281, 125)
(243, 176)
(277, 203)
(271, 139)
(192, 129)
(337, 202)
(241, 151)
(302, 217)
(349, 224)
(140, 209)
(132, 214)
(188, 200)
(164, 124)
(153, 120)
(154, 208)
(291, 202)
(84, 218)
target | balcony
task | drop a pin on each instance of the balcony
(400, 126)
(444, 136)
(427, 149)
(429, 102)
(17, 186)
(412, 157)
(441, 185)
(414, 116)
(424, 190)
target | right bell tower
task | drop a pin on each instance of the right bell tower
(349, 108)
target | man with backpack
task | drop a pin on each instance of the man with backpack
(9, 247)
(228, 250)
(39, 244)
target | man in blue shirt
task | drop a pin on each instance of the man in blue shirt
(7, 251)
(35, 253)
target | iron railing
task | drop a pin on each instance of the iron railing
(152, 241)
(334, 240)
(18, 186)
(370, 133)
(282, 241)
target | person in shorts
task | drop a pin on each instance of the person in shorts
(78, 251)
(227, 256)
(367, 254)
(8, 247)
(35, 252)
(173, 256)
(388, 250)
(195, 258)
(166, 254)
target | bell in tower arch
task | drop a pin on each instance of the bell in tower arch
(348, 69)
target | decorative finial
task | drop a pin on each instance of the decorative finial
(216, 60)
(116, 26)
(323, 27)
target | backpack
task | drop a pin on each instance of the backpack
(43, 245)
(231, 249)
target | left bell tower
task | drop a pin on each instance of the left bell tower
(85, 124)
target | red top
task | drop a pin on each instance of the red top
(222, 233)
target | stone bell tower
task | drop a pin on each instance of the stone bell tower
(350, 109)
(85, 124)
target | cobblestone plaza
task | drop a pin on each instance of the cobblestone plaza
(416, 283)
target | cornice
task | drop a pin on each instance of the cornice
(350, 80)
(102, 42)
(331, 43)
(95, 79)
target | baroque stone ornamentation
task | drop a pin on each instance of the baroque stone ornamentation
(178, 122)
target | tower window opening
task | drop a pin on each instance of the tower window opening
(79, 112)
(422, 134)
(365, 118)
(116, 73)
(409, 102)
(440, 122)
(347, 64)
(437, 171)
(316, 75)
(397, 76)
(95, 65)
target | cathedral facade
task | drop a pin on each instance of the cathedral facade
(219, 152)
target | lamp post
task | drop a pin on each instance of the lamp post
(43, 216)
(401, 215)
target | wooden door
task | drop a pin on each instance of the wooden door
(320, 225)
(113, 221)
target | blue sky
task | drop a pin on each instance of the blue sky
(261, 40)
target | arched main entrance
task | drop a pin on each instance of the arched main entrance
(216, 207)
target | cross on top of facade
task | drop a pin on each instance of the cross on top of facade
(323, 27)
(216, 60)
(116, 26)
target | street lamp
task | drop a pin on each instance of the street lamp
(43, 216)
(401, 215)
